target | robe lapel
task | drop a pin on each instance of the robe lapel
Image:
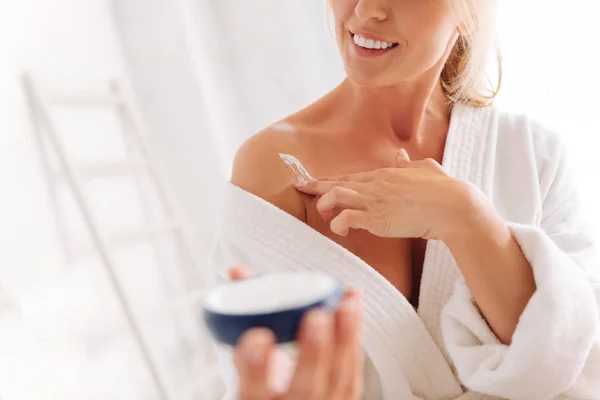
(394, 337)
(469, 155)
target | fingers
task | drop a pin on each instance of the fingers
(251, 357)
(358, 177)
(320, 187)
(427, 163)
(354, 219)
(311, 378)
(340, 197)
(330, 357)
(402, 158)
(237, 273)
(404, 161)
(347, 348)
(354, 389)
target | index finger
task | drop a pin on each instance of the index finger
(311, 376)
(357, 177)
(252, 356)
(347, 346)
(320, 187)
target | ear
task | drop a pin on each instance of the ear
(402, 159)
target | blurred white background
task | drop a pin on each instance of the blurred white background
(207, 74)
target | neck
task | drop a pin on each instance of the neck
(403, 110)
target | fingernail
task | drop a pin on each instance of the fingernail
(300, 184)
(350, 304)
(355, 293)
(349, 312)
(317, 325)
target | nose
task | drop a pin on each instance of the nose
(371, 10)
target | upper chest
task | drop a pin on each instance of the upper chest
(400, 261)
(329, 154)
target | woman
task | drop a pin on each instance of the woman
(459, 224)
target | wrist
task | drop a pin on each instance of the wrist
(472, 217)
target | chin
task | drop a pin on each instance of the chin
(369, 79)
(373, 73)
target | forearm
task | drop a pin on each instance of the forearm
(495, 269)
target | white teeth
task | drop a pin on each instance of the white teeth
(370, 43)
(359, 40)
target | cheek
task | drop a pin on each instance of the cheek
(342, 10)
(343, 6)
(428, 37)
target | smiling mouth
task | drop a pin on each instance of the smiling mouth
(371, 44)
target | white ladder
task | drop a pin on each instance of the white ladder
(75, 176)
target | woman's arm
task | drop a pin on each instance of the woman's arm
(494, 267)
(531, 282)
(555, 347)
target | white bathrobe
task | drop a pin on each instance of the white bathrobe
(445, 349)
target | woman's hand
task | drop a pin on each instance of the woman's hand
(415, 200)
(329, 363)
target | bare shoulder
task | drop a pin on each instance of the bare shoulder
(258, 169)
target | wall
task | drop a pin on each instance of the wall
(163, 75)
(60, 38)
(551, 59)
(62, 333)
(257, 70)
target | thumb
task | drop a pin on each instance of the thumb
(237, 273)
(402, 158)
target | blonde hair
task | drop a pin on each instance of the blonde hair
(464, 77)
